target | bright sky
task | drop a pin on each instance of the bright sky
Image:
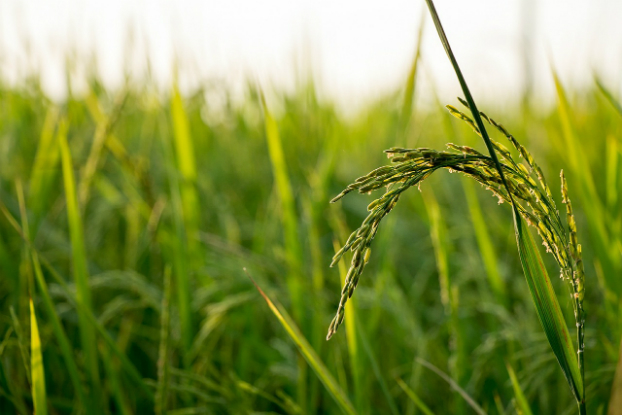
(356, 49)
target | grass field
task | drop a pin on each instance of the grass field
(128, 217)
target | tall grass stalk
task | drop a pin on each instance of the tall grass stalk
(415, 398)
(48, 304)
(449, 290)
(103, 129)
(411, 83)
(309, 354)
(454, 385)
(161, 397)
(375, 366)
(177, 241)
(354, 354)
(607, 247)
(59, 332)
(415, 165)
(521, 402)
(80, 270)
(44, 169)
(288, 209)
(485, 244)
(290, 231)
(111, 368)
(186, 165)
(39, 397)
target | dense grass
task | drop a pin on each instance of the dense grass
(128, 217)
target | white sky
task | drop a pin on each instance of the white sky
(356, 49)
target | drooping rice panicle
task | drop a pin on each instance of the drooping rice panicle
(532, 197)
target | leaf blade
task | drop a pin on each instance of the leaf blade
(80, 269)
(521, 401)
(309, 354)
(36, 365)
(547, 308)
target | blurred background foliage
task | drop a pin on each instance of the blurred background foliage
(128, 216)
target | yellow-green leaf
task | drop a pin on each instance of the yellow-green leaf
(36, 366)
(547, 307)
(521, 401)
(80, 270)
(309, 354)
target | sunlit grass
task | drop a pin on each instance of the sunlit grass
(144, 208)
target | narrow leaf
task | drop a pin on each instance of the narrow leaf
(59, 331)
(36, 363)
(521, 401)
(80, 271)
(288, 210)
(161, 397)
(309, 354)
(376, 367)
(186, 164)
(454, 385)
(547, 308)
(415, 398)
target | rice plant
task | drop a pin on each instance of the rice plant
(526, 185)
(523, 187)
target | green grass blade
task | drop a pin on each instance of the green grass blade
(8, 393)
(548, 309)
(21, 343)
(59, 332)
(288, 206)
(179, 256)
(183, 141)
(80, 271)
(185, 204)
(48, 304)
(291, 232)
(356, 366)
(454, 385)
(484, 241)
(438, 232)
(44, 167)
(611, 172)
(114, 385)
(376, 368)
(415, 398)
(161, 398)
(592, 203)
(287, 406)
(607, 93)
(36, 364)
(309, 354)
(103, 127)
(411, 81)
(615, 396)
(186, 164)
(449, 291)
(180, 183)
(521, 401)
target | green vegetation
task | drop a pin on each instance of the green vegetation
(128, 218)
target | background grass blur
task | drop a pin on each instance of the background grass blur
(129, 215)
